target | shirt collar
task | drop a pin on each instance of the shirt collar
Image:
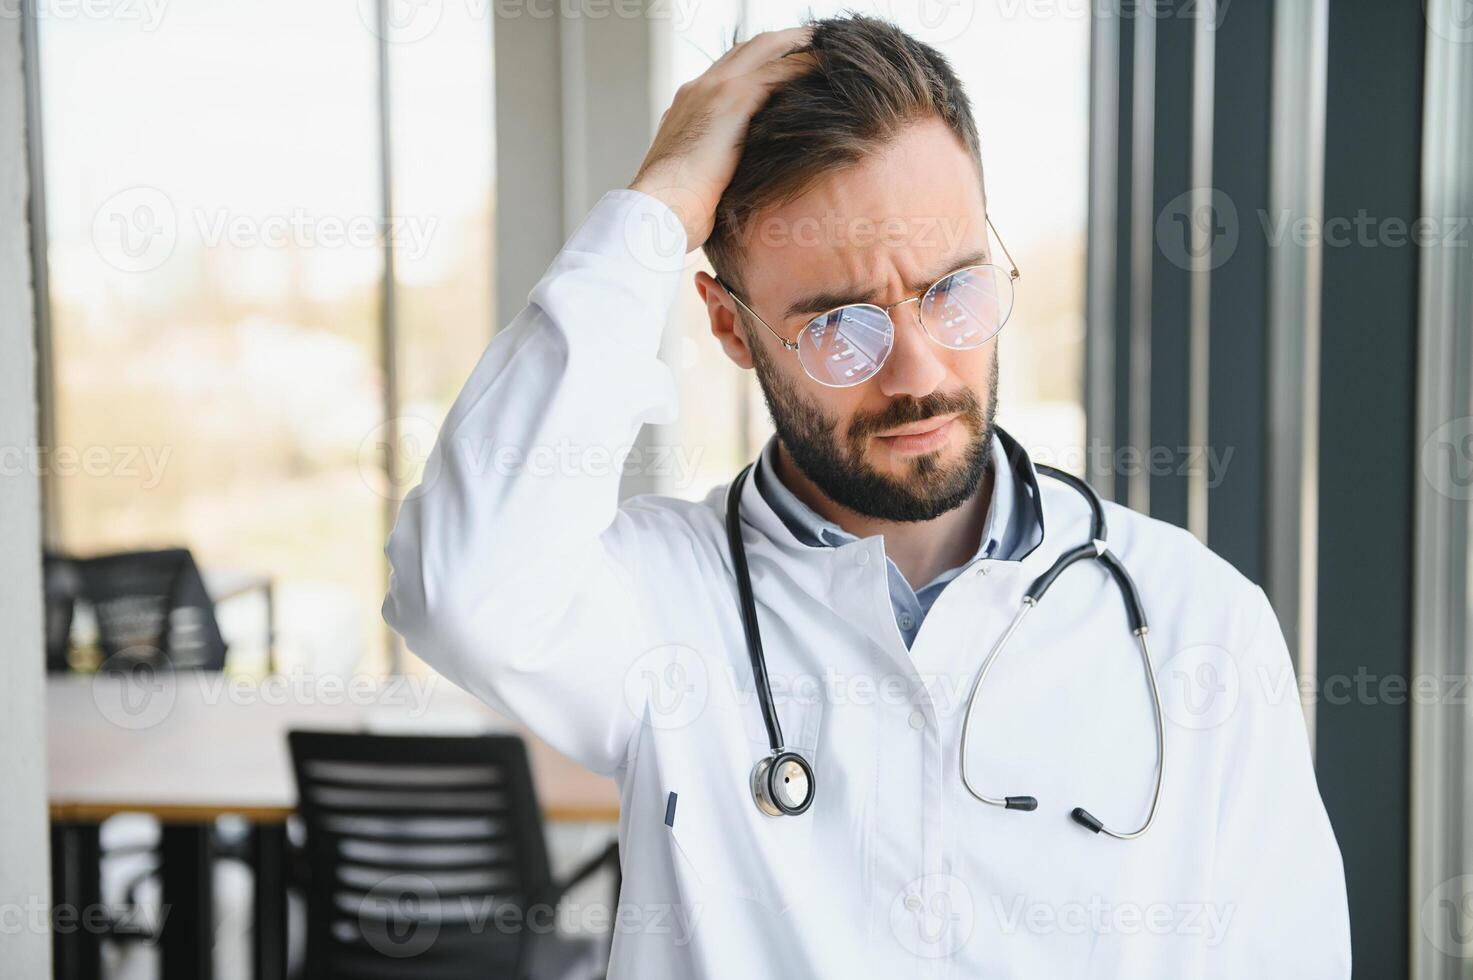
(1013, 527)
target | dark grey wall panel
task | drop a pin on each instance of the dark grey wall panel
(1171, 279)
(1237, 338)
(1367, 458)
(1121, 259)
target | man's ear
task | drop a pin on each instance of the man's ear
(722, 310)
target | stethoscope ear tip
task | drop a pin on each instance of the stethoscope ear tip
(1020, 803)
(1086, 819)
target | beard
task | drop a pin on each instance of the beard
(830, 452)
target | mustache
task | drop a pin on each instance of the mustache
(904, 410)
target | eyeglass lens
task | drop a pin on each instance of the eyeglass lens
(849, 345)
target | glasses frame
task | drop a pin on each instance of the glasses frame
(792, 345)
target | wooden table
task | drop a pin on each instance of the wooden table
(192, 746)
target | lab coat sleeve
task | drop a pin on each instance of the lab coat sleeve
(1278, 870)
(514, 570)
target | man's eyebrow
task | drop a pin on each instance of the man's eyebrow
(822, 302)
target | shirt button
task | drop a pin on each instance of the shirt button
(981, 570)
(906, 621)
(862, 558)
(917, 720)
(913, 902)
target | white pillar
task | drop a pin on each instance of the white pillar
(24, 875)
(576, 108)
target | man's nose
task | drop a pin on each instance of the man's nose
(915, 366)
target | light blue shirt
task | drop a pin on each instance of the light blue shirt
(1012, 530)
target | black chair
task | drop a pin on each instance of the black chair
(424, 857)
(153, 613)
(62, 585)
(152, 610)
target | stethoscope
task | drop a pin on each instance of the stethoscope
(783, 782)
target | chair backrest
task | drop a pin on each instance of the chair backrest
(152, 608)
(423, 854)
(62, 584)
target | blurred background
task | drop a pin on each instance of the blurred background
(252, 251)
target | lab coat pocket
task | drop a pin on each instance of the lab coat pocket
(732, 849)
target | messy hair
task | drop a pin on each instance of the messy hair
(870, 81)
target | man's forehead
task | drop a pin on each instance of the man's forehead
(853, 255)
(909, 211)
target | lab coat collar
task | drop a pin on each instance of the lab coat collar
(850, 579)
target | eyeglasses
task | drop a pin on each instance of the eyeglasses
(849, 344)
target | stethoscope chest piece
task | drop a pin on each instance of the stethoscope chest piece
(782, 784)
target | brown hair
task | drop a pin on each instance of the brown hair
(871, 80)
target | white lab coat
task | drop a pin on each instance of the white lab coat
(612, 630)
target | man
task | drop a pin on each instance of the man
(891, 530)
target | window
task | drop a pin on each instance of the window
(216, 236)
